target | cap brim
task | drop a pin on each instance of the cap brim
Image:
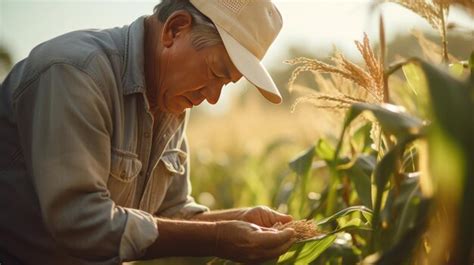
(250, 67)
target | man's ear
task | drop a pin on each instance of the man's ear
(178, 23)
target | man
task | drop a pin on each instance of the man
(93, 153)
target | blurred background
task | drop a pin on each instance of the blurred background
(240, 147)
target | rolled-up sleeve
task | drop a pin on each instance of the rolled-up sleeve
(178, 202)
(65, 126)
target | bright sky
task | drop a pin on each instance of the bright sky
(317, 24)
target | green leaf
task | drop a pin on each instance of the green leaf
(342, 251)
(385, 168)
(452, 149)
(456, 69)
(451, 102)
(325, 150)
(361, 140)
(393, 120)
(408, 200)
(345, 212)
(414, 77)
(306, 252)
(402, 251)
(359, 172)
(301, 165)
(416, 82)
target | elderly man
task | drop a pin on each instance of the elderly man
(94, 167)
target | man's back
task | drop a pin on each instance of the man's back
(47, 102)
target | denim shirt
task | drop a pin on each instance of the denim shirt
(82, 171)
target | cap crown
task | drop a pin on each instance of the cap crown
(253, 23)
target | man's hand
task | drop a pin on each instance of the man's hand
(246, 242)
(234, 240)
(263, 216)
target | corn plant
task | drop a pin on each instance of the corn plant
(401, 187)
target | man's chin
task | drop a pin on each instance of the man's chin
(172, 109)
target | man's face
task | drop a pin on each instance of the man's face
(192, 76)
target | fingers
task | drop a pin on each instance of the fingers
(271, 217)
(274, 252)
(283, 218)
(263, 228)
(242, 241)
(270, 239)
(277, 251)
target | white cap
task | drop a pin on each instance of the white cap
(247, 29)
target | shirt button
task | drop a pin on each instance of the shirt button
(147, 135)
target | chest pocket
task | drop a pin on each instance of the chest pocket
(124, 170)
(168, 179)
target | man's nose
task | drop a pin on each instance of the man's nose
(213, 93)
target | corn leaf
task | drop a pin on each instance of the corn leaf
(360, 171)
(324, 150)
(456, 69)
(360, 140)
(301, 165)
(452, 150)
(383, 171)
(451, 102)
(414, 77)
(403, 249)
(417, 83)
(346, 212)
(393, 120)
(409, 202)
(306, 252)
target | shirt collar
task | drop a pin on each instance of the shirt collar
(134, 71)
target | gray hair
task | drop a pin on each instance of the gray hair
(204, 32)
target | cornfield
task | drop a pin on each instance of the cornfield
(397, 185)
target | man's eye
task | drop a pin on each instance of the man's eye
(215, 75)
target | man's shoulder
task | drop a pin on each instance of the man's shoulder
(82, 49)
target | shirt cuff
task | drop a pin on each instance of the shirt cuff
(140, 232)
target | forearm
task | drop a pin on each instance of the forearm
(183, 238)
